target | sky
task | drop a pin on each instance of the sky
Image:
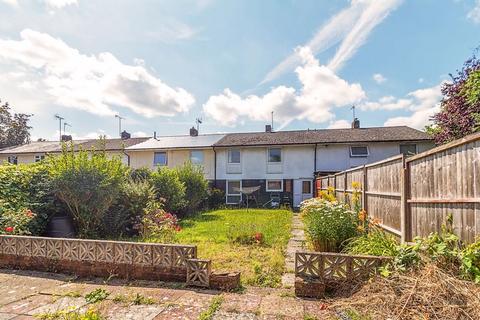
(161, 64)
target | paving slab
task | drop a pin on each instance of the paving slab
(180, 312)
(241, 303)
(134, 312)
(60, 304)
(234, 316)
(27, 304)
(281, 306)
(192, 298)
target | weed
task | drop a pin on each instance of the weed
(134, 299)
(210, 312)
(96, 295)
(90, 314)
(309, 317)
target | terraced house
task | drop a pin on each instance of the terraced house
(264, 168)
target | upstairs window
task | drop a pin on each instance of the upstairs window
(196, 156)
(39, 157)
(12, 159)
(274, 155)
(408, 149)
(358, 151)
(160, 159)
(234, 156)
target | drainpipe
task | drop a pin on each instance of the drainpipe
(214, 167)
(128, 157)
(314, 171)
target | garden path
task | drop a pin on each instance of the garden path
(24, 294)
(296, 242)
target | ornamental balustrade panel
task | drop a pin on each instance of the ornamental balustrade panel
(119, 252)
(329, 266)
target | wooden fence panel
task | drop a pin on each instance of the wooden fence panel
(413, 196)
(442, 183)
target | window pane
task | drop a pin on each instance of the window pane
(13, 159)
(359, 151)
(196, 156)
(274, 185)
(160, 159)
(408, 149)
(233, 187)
(234, 156)
(306, 187)
(274, 155)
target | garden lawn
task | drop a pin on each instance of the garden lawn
(260, 264)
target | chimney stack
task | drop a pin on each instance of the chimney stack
(155, 135)
(66, 137)
(268, 128)
(356, 124)
(193, 132)
(125, 135)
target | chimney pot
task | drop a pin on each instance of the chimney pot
(193, 132)
(125, 135)
(356, 124)
(268, 128)
(66, 137)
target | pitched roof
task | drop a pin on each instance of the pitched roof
(55, 146)
(184, 141)
(375, 134)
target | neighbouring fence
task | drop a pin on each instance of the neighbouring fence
(149, 261)
(412, 196)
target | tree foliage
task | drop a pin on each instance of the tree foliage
(14, 128)
(460, 107)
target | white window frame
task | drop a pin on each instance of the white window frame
(268, 155)
(39, 157)
(233, 194)
(160, 164)
(203, 157)
(274, 190)
(239, 158)
(359, 155)
(9, 159)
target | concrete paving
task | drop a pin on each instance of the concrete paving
(27, 295)
(296, 242)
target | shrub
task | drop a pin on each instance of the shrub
(27, 187)
(245, 234)
(13, 222)
(328, 224)
(169, 189)
(196, 185)
(215, 199)
(158, 225)
(376, 243)
(88, 183)
(140, 174)
(129, 208)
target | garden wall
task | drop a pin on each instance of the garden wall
(100, 258)
(412, 196)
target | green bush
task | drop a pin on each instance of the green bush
(140, 174)
(24, 188)
(158, 225)
(215, 199)
(328, 224)
(128, 209)
(88, 183)
(169, 189)
(196, 186)
(376, 243)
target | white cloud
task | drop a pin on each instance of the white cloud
(140, 134)
(352, 25)
(58, 4)
(474, 14)
(91, 83)
(339, 124)
(321, 91)
(171, 30)
(379, 78)
(421, 80)
(422, 103)
(13, 3)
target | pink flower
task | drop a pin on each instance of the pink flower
(178, 228)
(9, 229)
(29, 213)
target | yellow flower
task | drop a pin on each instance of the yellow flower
(362, 215)
(356, 185)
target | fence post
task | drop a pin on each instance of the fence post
(405, 225)
(364, 190)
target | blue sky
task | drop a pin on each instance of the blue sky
(160, 64)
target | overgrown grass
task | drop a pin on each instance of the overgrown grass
(262, 263)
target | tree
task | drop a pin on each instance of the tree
(460, 107)
(14, 128)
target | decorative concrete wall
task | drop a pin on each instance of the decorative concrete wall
(317, 271)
